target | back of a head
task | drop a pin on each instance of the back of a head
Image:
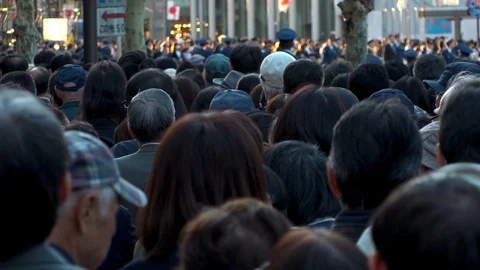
(42, 59)
(368, 79)
(59, 61)
(204, 98)
(194, 75)
(248, 82)
(414, 90)
(82, 127)
(308, 250)
(21, 78)
(302, 168)
(396, 70)
(34, 160)
(300, 73)
(134, 61)
(429, 67)
(439, 204)
(276, 190)
(41, 77)
(188, 89)
(263, 120)
(13, 62)
(150, 113)
(341, 81)
(277, 103)
(164, 63)
(246, 59)
(336, 68)
(375, 148)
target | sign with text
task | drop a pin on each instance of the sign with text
(111, 21)
(111, 3)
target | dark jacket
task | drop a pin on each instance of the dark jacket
(227, 51)
(448, 56)
(154, 264)
(330, 54)
(70, 109)
(124, 148)
(106, 130)
(390, 53)
(352, 223)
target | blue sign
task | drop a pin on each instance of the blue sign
(438, 26)
(111, 3)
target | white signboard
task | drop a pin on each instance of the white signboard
(110, 3)
(111, 21)
(55, 29)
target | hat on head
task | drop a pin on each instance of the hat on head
(372, 59)
(429, 135)
(202, 42)
(217, 64)
(93, 166)
(286, 35)
(451, 70)
(273, 66)
(230, 81)
(236, 100)
(393, 94)
(171, 72)
(464, 49)
(410, 54)
(197, 59)
(227, 39)
(70, 78)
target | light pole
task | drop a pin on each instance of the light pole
(90, 30)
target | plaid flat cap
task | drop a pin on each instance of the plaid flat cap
(93, 166)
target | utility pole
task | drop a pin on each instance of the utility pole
(90, 30)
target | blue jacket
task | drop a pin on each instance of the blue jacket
(448, 56)
(227, 51)
(330, 54)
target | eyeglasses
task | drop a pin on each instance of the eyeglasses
(263, 266)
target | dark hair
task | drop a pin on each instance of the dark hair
(439, 204)
(188, 89)
(341, 81)
(122, 133)
(258, 97)
(184, 66)
(248, 125)
(415, 91)
(59, 61)
(201, 103)
(336, 68)
(396, 70)
(375, 148)
(134, 61)
(248, 82)
(264, 121)
(302, 168)
(276, 190)
(218, 237)
(295, 121)
(194, 75)
(308, 250)
(429, 67)
(13, 62)
(246, 58)
(367, 79)
(40, 76)
(220, 161)
(51, 90)
(43, 58)
(104, 93)
(61, 117)
(164, 63)
(460, 126)
(277, 103)
(34, 161)
(302, 72)
(83, 127)
(20, 78)
(155, 78)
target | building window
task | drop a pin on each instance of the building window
(450, 2)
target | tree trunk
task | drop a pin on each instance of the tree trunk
(355, 14)
(135, 36)
(25, 29)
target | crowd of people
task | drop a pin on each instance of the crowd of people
(248, 161)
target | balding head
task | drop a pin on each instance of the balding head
(41, 76)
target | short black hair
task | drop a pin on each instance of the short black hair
(13, 62)
(59, 61)
(246, 59)
(396, 70)
(276, 190)
(201, 103)
(20, 78)
(164, 63)
(415, 90)
(264, 121)
(375, 148)
(341, 81)
(367, 79)
(82, 126)
(134, 61)
(302, 168)
(336, 68)
(248, 82)
(41, 76)
(429, 67)
(43, 58)
(301, 73)
(184, 66)
(194, 75)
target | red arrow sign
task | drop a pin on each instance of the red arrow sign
(106, 16)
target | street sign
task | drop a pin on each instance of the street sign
(111, 3)
(111, 21)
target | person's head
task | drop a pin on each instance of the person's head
(441, 233)
(202, 101)
(258, 97)
(302, 168)
(429, 67)
(165, 63)
(375, 148)
(150, 113)
(13, 62)
(309, 250)
(82, 126)
(246, 59)
(336, 68)
(245, 229)
(263, 120)
(21, 79)
(134, 61)
(216, 66)
(367, 79)
(220, 161)
(59, 61)
(103, 93)
(271, 72)
(43, 58)
(276, 190)
(87, 220)
(69, 83)
(188, 89)
(51, 90)
(341, 81)
(236, 100)
(396, 70)
(184, 66)
(40, 76)
(34, 159)
(295, 121)
(277, 103)
(194, 75)
(248, 82)
(414, 90)
(301, 73)
(249, 126)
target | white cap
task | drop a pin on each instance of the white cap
(273, 66)
(171, 72)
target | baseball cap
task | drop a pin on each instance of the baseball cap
(429, 134)
(451, 70)
(230, 81)
(273, 66)
(232, 100)
(93, 166)
(217, 64)
(410, 53)
(70, 78)
(202, 42)
(392, 94)
(464, 49)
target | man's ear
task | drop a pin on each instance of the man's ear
(332, 180)
(87, 210)
(440, 157)
(377, 263)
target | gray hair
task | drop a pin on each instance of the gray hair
(269, 91)
(150, 113)
(456, 83)
(104, 196)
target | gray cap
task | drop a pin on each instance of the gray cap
(429, 135)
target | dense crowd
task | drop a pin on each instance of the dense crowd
(252, 161)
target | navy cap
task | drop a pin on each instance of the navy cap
(70, 78)
(217, 64)
(286, 34)
(451, 70)
(410, 53)
(464, 49)
(393, 94)
(202, 42)
(236, 100)
(227, 39)
(372, 59)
